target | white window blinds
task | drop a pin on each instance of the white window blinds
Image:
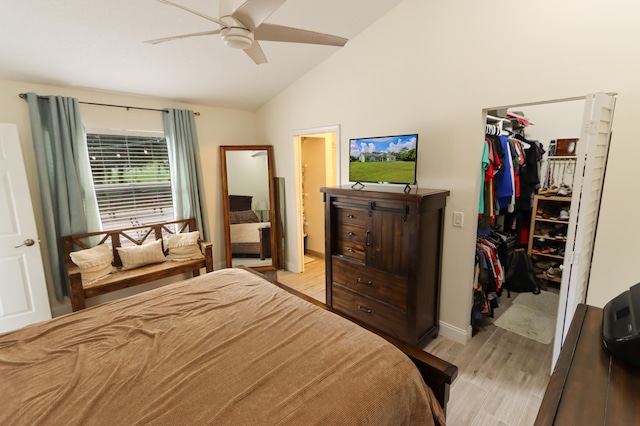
(131, 179)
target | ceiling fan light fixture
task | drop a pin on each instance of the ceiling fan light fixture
(237, 38)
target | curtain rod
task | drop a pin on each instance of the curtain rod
(24, 96)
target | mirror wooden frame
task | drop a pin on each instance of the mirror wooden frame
(224, 149)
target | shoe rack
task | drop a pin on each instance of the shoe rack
(548, 233)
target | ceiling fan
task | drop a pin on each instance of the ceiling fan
(241, 27)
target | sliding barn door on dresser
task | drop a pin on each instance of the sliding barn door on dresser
(383, 258)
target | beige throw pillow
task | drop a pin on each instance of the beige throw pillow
(94, 263)
(145, 254)
(183, 246)
(95, 273)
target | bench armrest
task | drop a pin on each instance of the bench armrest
(207, 249)
(76, 290)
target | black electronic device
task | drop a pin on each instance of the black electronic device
(621, 326)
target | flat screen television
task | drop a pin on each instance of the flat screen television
(384, 159)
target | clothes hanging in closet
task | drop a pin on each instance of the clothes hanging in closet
(510, 176)
(492, 252)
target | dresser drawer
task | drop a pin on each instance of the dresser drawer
(381, 285)
(369, 311)
(352, 233)
(351, 217)
(350, 249)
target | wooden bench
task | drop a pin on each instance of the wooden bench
(120, 279)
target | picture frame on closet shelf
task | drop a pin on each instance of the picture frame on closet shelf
(566, 147)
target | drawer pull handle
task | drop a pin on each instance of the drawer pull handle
(351, 234)
(350, 216)
(365, 310)
(361, 281)
(366, 238)
(350, 250)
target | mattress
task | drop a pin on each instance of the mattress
(227, 347)
(247, 232)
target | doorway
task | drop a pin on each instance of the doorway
(588, 121)
(316, 164)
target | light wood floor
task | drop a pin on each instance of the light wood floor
(502, 376)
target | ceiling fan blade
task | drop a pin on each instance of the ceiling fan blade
(255, 52)
(195, 12)
(162, 40)
(271, 32)
(252, 13)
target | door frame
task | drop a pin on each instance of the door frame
(561, 322)
(296, 135)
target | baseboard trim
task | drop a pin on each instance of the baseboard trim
(314, 253)
(61, 308)
(456, 334)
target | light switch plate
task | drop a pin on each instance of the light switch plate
(458, 219)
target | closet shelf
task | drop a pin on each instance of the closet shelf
(553, 256)
(539, 219)
(548, 238)
(548, 235)
(565, 198)
(562, 157)
(550, 278)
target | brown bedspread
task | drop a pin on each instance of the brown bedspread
(223, 348)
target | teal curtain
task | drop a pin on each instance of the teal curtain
(187, 184)
(67, 194)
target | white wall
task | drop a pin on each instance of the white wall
(433, 66)
(216, 126)
(555, 120)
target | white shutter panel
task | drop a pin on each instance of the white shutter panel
(593, 149)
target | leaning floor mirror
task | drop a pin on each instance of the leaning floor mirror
(249, 206)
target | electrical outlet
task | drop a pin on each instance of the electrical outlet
(458, 219)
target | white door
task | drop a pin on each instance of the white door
(593, 149)
(23, 290)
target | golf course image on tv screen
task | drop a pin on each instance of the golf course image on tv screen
(387, 159)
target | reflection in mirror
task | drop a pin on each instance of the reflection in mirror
(248, 199)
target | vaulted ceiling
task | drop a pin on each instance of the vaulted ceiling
(100, 45)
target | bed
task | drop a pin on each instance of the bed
(249, 235)
(228, 347)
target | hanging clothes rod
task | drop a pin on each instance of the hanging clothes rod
(127, 107)
(491, 117)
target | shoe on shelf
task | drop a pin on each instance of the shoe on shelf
(561, 231)
(551, 191)
(564, 215)
(544, 264)
(564, 190)
(554, 272)
(549, 212)
(544, 231)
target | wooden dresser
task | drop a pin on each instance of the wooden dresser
(588, 385)
(383, 258)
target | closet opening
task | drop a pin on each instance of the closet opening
(538, 159)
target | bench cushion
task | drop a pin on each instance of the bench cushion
(94, 263)
(144, 254)
(183, 246)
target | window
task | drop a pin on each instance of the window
(131, 178)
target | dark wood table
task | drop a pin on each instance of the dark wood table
(588, 385)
